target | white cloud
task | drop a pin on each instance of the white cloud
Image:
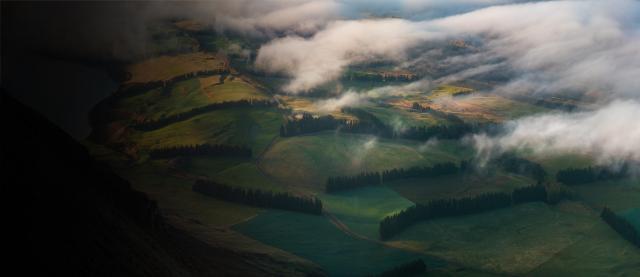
(323, 57)
(552, 46)
(586, 46)
(610, 134)
(267, 17)
(352, 98)
(347, 99)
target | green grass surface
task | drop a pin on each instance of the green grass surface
(600, 252)
(308, 160)
(618, 195)
(511, 241)
(161, 68)
(400, 119)
(210, 166)
(188, 94)
(254, 127)
(633, 216)
(247, 175)
(422, 190)
(233, 89)
(315, 238)
(362, 209)
(554, 163)
(174, 196)
(476, 107)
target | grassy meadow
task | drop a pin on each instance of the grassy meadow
(163, 68)
(422, 190)
(362, 209)
(308, 160)
(315, 238)
(254, 127)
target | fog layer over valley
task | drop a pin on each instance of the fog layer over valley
(585, 49)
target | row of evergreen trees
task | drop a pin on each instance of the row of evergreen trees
(164, 121)
(576, 176)
(621, 225)
(367, 124)
(394, 224)
(340, 183)
(450, 131)
(200, 150)
(309, 124)
(521, 166)
(259, 198)
(378, 77)
(440, 169)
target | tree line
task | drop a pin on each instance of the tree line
(149, 125)
(309, 124)
(259, 198)
(448, 131)
(394, 224)
(378, 76)
(200, 150)
(576, 176)
(621, 225)
(339, 183)
(436, 170)
(513, 164)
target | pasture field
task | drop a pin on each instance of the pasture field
(237, 172)
(552, 163)
(510, 241)
(174, 195)
(188, 94)
(164, 68)
(449, 90)
(427, 97)
(400, 119)
(421, 190)
(316, 239)
(307, 105)
(166, 38)
(633, 216)
(208, 166)
(248, 175)
(254, 127)
(233, 89)
(362, 209)
(618, 195)
(485, 108)
(600, 252)
(470, 106)
(310, 159)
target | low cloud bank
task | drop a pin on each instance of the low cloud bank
(352, 98)
(323, 57)
(611, 134)
(592, 48)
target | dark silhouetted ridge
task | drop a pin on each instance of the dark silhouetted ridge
(69, 215)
